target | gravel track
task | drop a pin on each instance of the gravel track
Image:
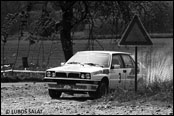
(33, 99)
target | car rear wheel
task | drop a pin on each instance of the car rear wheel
(54, 94)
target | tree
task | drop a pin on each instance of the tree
(75, 12)
(159, 10)
(67, 23)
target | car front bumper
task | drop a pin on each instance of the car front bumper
(71, 84)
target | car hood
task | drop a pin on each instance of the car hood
(76, 68)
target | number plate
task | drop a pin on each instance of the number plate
(67, 87)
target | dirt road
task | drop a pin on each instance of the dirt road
(33, 99)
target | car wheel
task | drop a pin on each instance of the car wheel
(93, 94)
(101, 91)
(54, 94)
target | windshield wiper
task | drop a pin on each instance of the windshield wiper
(74, 63)
(93, 64)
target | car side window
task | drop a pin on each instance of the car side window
(128, 61)
(116, 59)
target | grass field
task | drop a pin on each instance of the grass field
(41, 51)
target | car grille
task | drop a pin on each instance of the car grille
(73, 75)
(58, 74)
(67, 75)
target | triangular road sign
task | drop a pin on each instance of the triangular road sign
(135, 34)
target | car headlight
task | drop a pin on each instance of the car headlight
(53, 74)
(88, 76)
(85, 76)
(48, 74)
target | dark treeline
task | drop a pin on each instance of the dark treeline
(45, 18)
(161, 22)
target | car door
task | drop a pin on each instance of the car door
(129, 67)
(116, 73)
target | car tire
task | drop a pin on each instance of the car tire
(101, 91)
(54, 94)
(93, 94)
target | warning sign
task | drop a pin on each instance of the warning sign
(135, 34)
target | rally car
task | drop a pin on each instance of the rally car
(92, 72)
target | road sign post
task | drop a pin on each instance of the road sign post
(136, 35)
(4, 40)
(136, 68)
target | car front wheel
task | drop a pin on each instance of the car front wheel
(54, 94)
(101, 91)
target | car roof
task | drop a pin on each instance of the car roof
(109, 52)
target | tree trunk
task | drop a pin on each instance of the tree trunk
(65, 33)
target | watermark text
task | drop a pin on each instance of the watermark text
(23, 111)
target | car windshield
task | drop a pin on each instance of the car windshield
(93, 59)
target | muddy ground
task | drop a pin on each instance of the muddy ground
(33, 99)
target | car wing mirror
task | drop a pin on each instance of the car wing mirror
(115, 66)
(62, 63)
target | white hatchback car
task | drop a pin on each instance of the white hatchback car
(94, 72)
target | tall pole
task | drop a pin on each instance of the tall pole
(135, 68)
(3, 56)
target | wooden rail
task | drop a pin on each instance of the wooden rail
(24, 71)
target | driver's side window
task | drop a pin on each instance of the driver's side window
(116, 60)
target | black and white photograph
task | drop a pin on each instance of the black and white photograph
(86, 57)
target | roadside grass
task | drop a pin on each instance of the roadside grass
(160, 68)
(158, 82)
(165, 94)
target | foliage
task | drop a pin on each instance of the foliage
(96, 14)
(106, 12)
(158, 17)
